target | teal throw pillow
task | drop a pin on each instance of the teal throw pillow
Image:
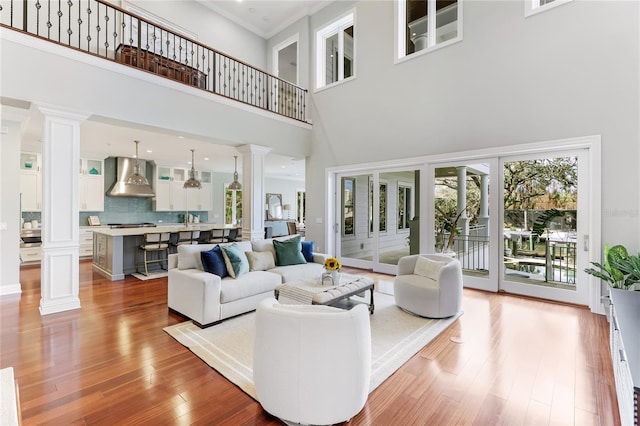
(236, 260)
(288, 252)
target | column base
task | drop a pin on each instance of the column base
(54, 306)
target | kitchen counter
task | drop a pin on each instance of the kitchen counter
(115, 250)
(161, 228)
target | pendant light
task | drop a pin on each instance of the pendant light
(192, 182)
(235, 185)
(136, 178)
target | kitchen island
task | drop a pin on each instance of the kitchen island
(115, 250)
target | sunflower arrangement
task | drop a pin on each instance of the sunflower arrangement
(332, 264)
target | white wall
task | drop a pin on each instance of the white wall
(571, 71)
(10, 206)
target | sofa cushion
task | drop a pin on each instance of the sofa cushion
(213, 262)
(260, 260)
(264, 245)
(248, 285)
(428, 268)
(236, 260)
(289, 252)
(189, 255)
(293, 273)
(307, 250)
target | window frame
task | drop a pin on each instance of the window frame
(337, 26)
(345, 206)
(235, 219)
(400, 13)
(533, 7)
(409, 207)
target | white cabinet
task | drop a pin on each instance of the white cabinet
(201, 199)
(31, 254)
(170, 194)
(91, 185)
(625, 352)
(86, 243)
(30, 182)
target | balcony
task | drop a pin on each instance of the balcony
(111, 33)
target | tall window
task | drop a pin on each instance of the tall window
(531, 7)
(404, 206)
(349, 206)
(425, 25)
(232, 206)
(382, 223)
(335, 52)
(301, 200)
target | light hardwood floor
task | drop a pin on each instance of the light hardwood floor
(508, 360)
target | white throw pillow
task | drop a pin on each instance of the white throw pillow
(428, 268)
(189, 255)
(260, 260)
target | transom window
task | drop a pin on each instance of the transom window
(335, 52)
(424, 25)
(531, 7)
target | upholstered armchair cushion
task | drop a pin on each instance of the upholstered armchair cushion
(435, 291)
(311, 363)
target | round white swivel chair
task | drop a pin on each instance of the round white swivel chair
(429, 285)
(311, 363)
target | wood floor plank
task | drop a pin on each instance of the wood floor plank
(512, 360)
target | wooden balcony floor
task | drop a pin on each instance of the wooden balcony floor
(508, 360)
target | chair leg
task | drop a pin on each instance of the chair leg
(146, 271)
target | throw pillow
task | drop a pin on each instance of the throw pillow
(289, 252)
(428, 268)
(213, 262)
(260, 260)
(236, 260)
(307, 250)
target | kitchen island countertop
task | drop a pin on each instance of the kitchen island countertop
(160, 228)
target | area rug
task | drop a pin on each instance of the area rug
(228, 347)
(151, 276)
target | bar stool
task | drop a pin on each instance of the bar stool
(232, 236)
(186, 237)
(217, 236)
(157, 242)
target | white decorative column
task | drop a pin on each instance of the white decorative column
(483, 217)
(60, 281)
(253, 194)
(463, 221)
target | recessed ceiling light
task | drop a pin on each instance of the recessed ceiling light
(283, 167)
(206, 158)
(149, 151)
(180, 137)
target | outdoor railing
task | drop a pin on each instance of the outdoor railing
(558, 265)
(109, 32)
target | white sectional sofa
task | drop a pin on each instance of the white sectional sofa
(207, 299)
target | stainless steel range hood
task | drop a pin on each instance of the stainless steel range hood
(125, 167)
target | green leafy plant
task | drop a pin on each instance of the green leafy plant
(620, 269)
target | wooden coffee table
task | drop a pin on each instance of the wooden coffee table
(315, 293)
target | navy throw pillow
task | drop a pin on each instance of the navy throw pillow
(213, 262)
(307, 250)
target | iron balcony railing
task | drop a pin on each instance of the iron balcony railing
(107, 31)
(557, 265)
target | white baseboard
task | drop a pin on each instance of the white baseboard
(10, 289)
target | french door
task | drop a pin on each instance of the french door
(520, 219)
(545, 225)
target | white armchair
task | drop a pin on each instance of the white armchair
(311, 363)
(429, 285)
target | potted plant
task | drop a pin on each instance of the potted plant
(620, 270)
